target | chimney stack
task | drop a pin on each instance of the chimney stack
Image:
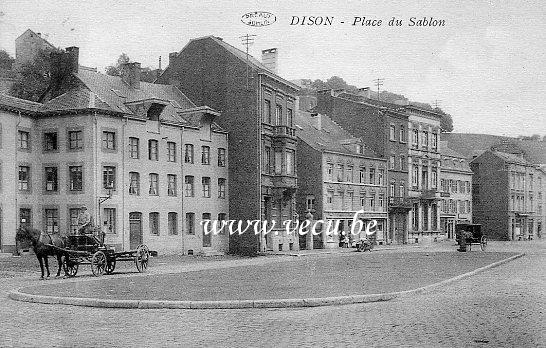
(269, 59)
(130, 74)
(73, 54)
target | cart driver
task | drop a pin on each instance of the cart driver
(84, 221)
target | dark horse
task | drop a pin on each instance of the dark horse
(41, 245)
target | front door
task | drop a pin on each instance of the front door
(400, 228)
(135, 230)
(207, 242)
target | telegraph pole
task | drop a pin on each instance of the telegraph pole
(437, 103)
(247, 40)
(378, 82)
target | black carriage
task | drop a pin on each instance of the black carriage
(468, 234)
(89, 250)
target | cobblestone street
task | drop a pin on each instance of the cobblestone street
(503, 306)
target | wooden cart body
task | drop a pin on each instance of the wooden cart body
(468, 234)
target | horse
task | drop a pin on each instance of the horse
(41, 244)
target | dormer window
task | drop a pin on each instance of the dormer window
(154, 111)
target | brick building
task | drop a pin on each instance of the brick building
(339, 176)
(144, 159)
(508, 195)
(455, 190)
(384, 128)
(257, 108)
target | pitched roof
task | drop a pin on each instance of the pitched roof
(470, 145)
(330, 136)
(12, 103)
(510, 158)
(247, 59)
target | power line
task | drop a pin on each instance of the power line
(378, 82)
(247, 40)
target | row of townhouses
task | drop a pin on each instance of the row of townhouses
(221, 136)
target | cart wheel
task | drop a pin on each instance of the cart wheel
(70, 267)
(110, 266)
(483, 243)
(98, 263)
(142, 254)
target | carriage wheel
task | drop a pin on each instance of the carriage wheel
(110, 266)
(70, 267)
(98, 263)
(142, 254)
(483, 243)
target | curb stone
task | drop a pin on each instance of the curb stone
(18, 295)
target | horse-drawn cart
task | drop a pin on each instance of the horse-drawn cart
(468, 234)
(89, 250)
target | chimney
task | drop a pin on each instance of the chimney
(73, 54)
(269, 59)
(316, 121)
(364, 92)
(130, 74)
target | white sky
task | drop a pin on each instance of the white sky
(487, 65)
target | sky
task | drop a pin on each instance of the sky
(486, 66)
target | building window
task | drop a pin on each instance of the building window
(434, 179)
(401, 191)
(349, 174)
(268, 160)
(24, 140)
(372, 176)
(278, 162)
(392, 189)
(134, 148)
(372, 202)
(415, 138)
(51, 220)
(109, 177)
(380, 175)
(278, 115)
(154, 223)
(153, 150)
(362, 175)
(415, 177)
(402, 163)
(290, 162)
(424, 178)
(205, 155)
(188, 153)
(392, 161)
(173, 223)
(190, 223)
(392, 132)
(289, 117)
(310, 203)
(75, 140)
(402, 137)
(154, 184)
(76, 178)
(188, 186)
(25, 215)
(330, 197)
(171, 151)
(134, 183)
(222, 217)
(359, 149)
(340, 172)
(206, 186)
(50, 141)
(435, 141)
(51, 179)
(221, 157)
(110, 219)
(73, 214)
(329, 172)
(415, 216)
(221, 188)
(171, 185)
(24, 178)
(363, 201)
(108, 140)
(425, 139)
(381, 202)
(267, 111)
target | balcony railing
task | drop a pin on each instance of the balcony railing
(285, 131)
(429, 194)
(402, 202)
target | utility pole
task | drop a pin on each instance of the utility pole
(436, 103)
(247, 40)
(378, 82)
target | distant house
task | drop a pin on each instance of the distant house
(339, 176)
(28, 45)
(508, 196)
